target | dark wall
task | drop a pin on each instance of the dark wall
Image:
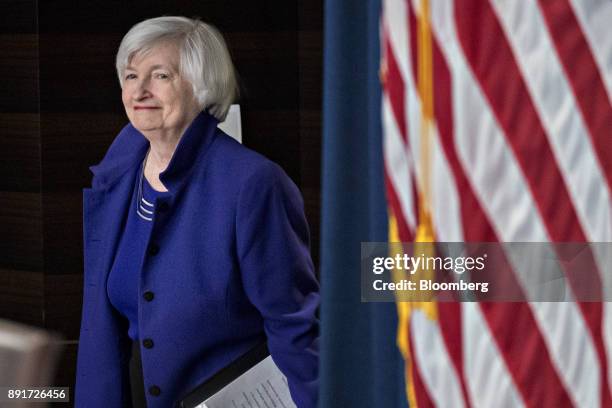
(60, 108)
(21, 245)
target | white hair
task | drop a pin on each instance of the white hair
(204, 58)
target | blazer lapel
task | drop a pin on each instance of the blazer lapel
(104, 214)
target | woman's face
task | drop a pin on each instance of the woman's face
(155, 96)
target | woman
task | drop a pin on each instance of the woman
(196, 248)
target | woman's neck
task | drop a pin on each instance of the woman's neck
(162, 144)
(160, 153)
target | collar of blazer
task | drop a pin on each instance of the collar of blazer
(129, 147)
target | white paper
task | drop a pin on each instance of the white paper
(263, 386)
(232, 124)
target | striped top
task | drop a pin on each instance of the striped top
(145, 206)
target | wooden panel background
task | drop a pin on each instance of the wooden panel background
(60, 108)
(21, 245)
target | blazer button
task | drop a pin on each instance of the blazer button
(148, 296)
(154, 390)
(153, 249)
(147, 343)
(163, 206)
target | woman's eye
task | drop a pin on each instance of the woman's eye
(162, 75)
(130, 76)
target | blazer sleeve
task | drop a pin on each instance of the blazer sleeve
(278, 276)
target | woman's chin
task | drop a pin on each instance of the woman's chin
(145, 126)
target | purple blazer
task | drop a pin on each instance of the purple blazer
(227, 265)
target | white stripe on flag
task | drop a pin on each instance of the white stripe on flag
(437, 371)
(594, 17)
(488, 380)
(399, 164)
(397, 28)
(567, 337)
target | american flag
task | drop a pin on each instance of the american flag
(521, 151)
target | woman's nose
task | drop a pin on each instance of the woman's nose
(141, 90)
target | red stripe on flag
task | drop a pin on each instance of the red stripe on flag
(593, 312)
(536, 378)
(404, 231)
(449, 319)
(526, 354)
(423, 399)
(395, 89)
(584, 76)
(490, 57)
